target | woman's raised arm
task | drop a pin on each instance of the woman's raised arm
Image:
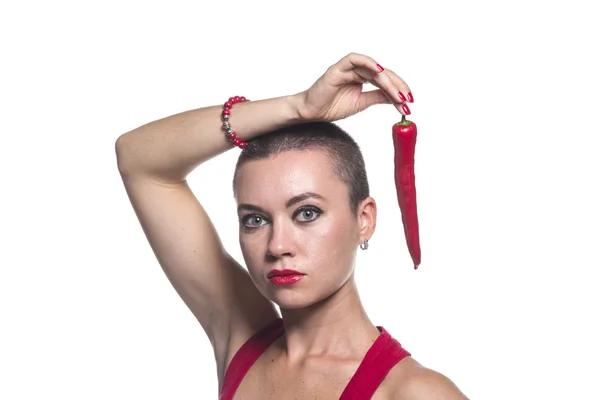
(155, 159)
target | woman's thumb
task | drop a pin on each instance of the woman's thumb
(373, 97)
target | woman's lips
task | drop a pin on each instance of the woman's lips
(286, 279)
(284, 276)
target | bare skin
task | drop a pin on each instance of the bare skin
(327, 330)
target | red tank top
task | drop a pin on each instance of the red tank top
(383, 354)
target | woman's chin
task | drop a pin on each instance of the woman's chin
(294, 300)
(291, 301)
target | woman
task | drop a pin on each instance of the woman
(304, 208)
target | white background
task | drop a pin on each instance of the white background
(506, 101)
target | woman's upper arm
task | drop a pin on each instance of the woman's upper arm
(215, 287)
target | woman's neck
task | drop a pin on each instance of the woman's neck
(334, 327)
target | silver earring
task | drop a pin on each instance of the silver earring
(364, 245)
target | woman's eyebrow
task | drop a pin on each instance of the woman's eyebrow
(249, 207)
(301, 197)
(289, 203)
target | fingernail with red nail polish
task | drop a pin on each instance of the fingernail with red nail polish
(401, 96)
(406, 109)
(380, 67)
(410, 97)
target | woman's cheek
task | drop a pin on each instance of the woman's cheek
(325, 246)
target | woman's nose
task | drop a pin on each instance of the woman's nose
(281, 241)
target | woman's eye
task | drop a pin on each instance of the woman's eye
(308, 214)
(253, 221)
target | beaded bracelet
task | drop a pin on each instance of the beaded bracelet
(231, 135)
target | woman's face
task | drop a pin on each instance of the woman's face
(283, 226)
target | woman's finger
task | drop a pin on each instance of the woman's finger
(369, 69)
(402, 86)
(354, 60)
(373, 97)
(359, 68)
(359, 78)
(380, 96)
(389, 89)
(401, 107)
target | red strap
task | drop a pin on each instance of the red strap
(379, 360)
(247, 355)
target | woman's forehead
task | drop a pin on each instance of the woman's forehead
(285, 175)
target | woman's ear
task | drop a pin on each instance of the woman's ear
(367, 218)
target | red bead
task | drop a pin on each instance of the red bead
(227, 105)
(237, 99)
(231, 100)
(232, 136)
(236, 141)
(243, 98)
(242, 145)
(226, 112)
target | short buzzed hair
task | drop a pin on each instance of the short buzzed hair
(347, 160)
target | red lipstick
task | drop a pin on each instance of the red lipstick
(284, 276)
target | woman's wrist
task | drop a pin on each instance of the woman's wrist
(295, 106)
(254, 118)
(298, 104)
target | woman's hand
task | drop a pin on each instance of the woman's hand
(339, 92)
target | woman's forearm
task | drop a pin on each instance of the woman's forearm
(170, 148)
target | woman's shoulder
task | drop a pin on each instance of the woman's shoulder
(409, 380)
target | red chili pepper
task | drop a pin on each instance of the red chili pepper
(404, 134)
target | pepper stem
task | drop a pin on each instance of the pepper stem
(403, 121)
